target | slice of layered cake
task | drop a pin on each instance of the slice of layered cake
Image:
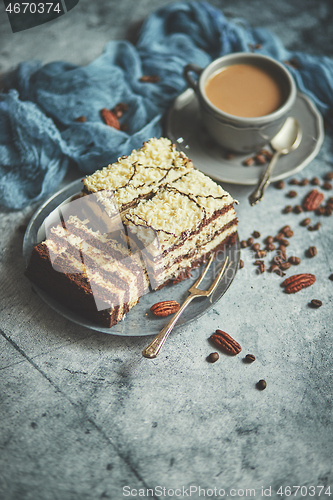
(144, 221)
(92, 273)
(183, 223)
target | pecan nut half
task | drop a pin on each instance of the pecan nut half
(313, 200)
(225, 342)
(165, 308)
(110, 118)
(297, 282)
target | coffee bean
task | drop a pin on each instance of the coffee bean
(330, 277)
(280, 272)
(305, 222)
(282, 248)
(285, 265)
(261, 253)
(292, 194)
(315, 303)
(284, 229)
(258, 262)
(261, 385)
(256, 246)
(279, 185)
(287, 209)
(262, 268)
(327, 186)
(269, 239)
(243, 244)
(284, 242)
(294, 182)
(317, 226)
(320, 211)
(229, 156)
(329, 176)
(289, 233)
(260, 159)
(311, 252)
(298, 209)
(279, 237)
(241, 264)
(304, 182)
(328, 210)
(248, 162)
(256, 234)
(250, 241)
(270, 247)
(274, 268)
(294, 260)
(315, 181)
(213, 357)
(249, 358)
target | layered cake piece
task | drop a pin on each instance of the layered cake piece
(183, 223)
(92, 273)
(139, 224)
(133, 178)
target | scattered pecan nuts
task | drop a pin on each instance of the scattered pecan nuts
(165, 308)
(225, 342)
(297, 282)
(312, 200)
(110, 118)
(149, 79)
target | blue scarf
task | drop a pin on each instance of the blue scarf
(40, 137)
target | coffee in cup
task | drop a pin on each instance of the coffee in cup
(244, 99)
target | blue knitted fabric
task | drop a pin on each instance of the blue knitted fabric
(39, 137)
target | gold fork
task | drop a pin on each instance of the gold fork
(153, 349)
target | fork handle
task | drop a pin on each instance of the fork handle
(153, 349)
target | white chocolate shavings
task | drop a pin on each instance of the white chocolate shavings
(168, 211)
(204, 190)
(140, 172)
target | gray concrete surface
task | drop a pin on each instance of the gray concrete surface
(84, 415)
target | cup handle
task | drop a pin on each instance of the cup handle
(189, 68)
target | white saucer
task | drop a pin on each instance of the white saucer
(184, 128)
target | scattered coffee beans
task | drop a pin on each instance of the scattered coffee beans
(327, 186)
(329, 176)
(315, 181)
(256, 247)
(304, 182)
(293, 182)
(292, 194)
(305, 222)
(279, 185)
(249, 358)
(311, 252)
(298, 209)
(287, 209)
(243, 244)
(250, 241)
(330, 277)
(285, 265)
(248, 162)
(315, 303)
(294, 260)
(261, 385)
(241, 264)
(256, 234)
(270, 247)
(213, 357)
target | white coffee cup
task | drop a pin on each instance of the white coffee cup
(237, 133)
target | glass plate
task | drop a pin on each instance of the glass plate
(139, 320)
